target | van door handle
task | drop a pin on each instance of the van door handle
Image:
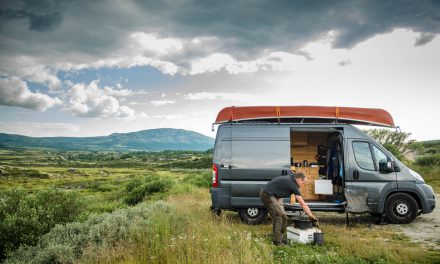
(355, 175)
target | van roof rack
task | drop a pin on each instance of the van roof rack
(305, 114)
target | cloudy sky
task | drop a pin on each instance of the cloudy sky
(88, 68)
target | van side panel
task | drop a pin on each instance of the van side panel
(259, 154)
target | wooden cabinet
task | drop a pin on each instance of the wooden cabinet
(308, 190)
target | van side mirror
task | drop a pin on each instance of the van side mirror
(387, 165)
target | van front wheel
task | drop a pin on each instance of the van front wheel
(252, 216)
(401, 208)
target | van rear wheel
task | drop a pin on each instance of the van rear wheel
(252, 216)
(401, 208)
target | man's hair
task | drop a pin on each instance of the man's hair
(298, 175)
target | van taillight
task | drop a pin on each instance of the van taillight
(214, 176)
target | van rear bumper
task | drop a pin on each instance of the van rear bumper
(221, 198)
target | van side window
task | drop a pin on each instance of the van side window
(379, 155)
(363, 155)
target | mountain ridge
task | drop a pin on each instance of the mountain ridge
(157, 139)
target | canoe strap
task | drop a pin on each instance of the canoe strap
(232, 113)
(278, 110)
(337, 113)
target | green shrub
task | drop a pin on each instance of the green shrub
(201, 179)
(140, 187)
(394, 150)
(24, 217)
(396, 142)
(19, 172)
(66, 243)
(202, 162)
(428, 160)
(432, 151)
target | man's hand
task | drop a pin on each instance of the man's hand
(315, 221)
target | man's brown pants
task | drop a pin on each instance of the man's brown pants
(279, 217)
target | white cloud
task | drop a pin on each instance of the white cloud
(169, 116)
(142, 115)
(279, 61)
(214, 62)
(156, 46)
(39, 129)
(29, 69)
(162, 102)
(344, 63)
(117, 92)
(92, 101)
(218, 96)
(15, 92)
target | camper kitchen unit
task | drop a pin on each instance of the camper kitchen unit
(256, 144)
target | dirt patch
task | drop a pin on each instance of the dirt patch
(426, 227)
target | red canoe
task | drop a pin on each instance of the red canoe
(315, 114)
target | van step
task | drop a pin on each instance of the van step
(317, 206)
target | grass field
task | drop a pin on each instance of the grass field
(173, 223)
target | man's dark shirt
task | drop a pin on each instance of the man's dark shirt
(282, 186)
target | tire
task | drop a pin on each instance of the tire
(401, 208)
(216, 212)
(252, 216)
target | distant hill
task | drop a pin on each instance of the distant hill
(145, 140)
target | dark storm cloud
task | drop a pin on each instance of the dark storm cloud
(250, 26)
(37, 22)
(424, 38)
(41, 15)
(85, 30)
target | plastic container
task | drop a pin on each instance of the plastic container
(318, 238)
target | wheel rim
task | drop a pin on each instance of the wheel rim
(252, 212)
(401, 208)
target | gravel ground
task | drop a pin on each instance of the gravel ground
(426, 227)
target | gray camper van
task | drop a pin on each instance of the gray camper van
(249, 154)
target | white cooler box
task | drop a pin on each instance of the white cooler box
(323, 187)
(303, 236)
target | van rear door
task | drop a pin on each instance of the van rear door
(259, 154)
(222, 153)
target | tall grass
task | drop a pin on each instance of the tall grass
(428, 160)
(183, 230)
(202, 237)
(180, 228)
(78, 241)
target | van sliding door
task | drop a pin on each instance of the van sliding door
(259, 154)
